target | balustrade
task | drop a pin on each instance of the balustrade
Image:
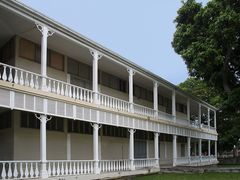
(143, 163)
(33, 80)
(142, 110)
(114, 165)
(19, 169)
(73, 167)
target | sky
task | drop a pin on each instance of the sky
(139, 30)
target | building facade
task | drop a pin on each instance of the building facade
(69, 106)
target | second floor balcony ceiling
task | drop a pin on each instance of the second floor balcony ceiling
(19, 21)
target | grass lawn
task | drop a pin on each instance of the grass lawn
(204, 176)
(228, 165)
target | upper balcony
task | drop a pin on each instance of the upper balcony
(62, 65)
(33, 80)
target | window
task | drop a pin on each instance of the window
(32, 51)
(76, 126)
(181, 108)
(56, 60)
(114, 131)
(160, 100)
(113, 82)
(55, 124)
(72, 67)
(7, 52)
(28, 120)
(142, 93)
(140, 149)
(27, 49)
(143, 135)
(5, 120)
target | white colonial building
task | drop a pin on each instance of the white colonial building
(69, 106)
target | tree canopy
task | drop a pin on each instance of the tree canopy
(208, 40)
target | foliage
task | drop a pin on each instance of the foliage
(201, 90)
(208, 39)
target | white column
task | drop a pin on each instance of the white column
(156, 153)
(95, 149)
(155, 97)
(130, 79)
(209, 148)
(188, 109)
(200, 149)
(43, 145)
(45, 33)
(208, 118)
(131, 149)
(189, 149)
(96, 56)
(199, 114)
(215, 119)
(174, 104)
(174, 150)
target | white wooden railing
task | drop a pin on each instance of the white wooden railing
(204, 126)
(143, 163)
(69, 90)
(142, 110)
(195, 159)
(182, 160)
(19, 169)
(33, 80)
(114, 103)
(165, 116)
(183, 121)
(114, 165)
(69, 167)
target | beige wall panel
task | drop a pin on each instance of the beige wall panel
(56, 145)
(6, 149)
(81, 146)
(114, 148)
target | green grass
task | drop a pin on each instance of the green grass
(204, 176)
(228, 165)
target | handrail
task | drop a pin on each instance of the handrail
(33, 80)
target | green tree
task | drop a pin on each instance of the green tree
(201, 90)
(208, 39)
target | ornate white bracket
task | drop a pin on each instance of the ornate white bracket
(155, 83)
(41, 27)
(92, 124)
(134, 130)
(96, 55)
(131, 71)
(39, 117)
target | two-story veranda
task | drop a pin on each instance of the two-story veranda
(69, 106)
